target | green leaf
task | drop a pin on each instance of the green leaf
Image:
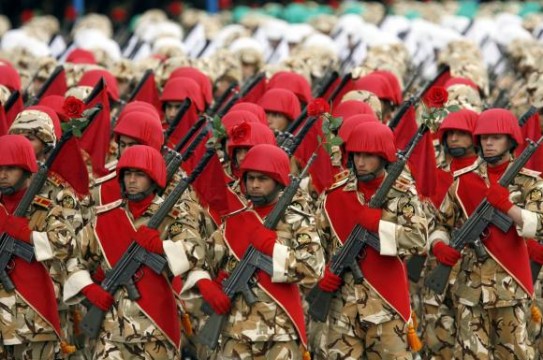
(77, 132)
(453, 108)
(336, 141)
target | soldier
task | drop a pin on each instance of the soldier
(272, 327)
(491, 293)
(456, 135)
(30, 321)
(138, 327)
(370, 319)
(175, 91)
(281, 106)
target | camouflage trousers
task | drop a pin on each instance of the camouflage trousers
(439, 331)
(152, 350)
(30, 351)
(232, 349)
(386, 341)
(496, 333)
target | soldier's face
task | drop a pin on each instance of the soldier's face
(10, 175)
(136, 181)
(494, 144)
(366, 163)
(458, 139)
(248, 70)
(37, 144)
(171, 108)
(125, 142)
(276, 121)
(259, 184)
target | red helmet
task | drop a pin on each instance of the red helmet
(233, 118)
(380, 86)
(248, 134)
(138, 105)
(142, 126)
(352, 122)
(498, 121)
(81, 56)
(293, 82)
(17, 151)
(463, 120)
(352, 107)
(180, 88)
(394, 84)
(461, 81)
(55, 102)
(269, 160)
(282, 101)
(373, 138)
(9, 77)
(253, 108)
(201, 79)
(146, 159)
(91, 78)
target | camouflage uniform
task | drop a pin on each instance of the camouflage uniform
(491, 306)
(360, 322)
(53, 216)
(126, 330)
(264, 330)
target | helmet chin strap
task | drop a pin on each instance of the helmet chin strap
(138, 196)
(496, 158)
(457, 152)
(369, 176)
(10, 190)
(264, 200)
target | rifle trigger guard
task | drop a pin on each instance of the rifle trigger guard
(138, 275)
(10, 266)
(362, 254)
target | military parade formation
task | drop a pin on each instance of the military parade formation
(302, 181)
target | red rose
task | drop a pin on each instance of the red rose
(317, 107)
(240, 133)
(73, 107)
(436, 97)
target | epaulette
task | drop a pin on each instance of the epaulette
(465, 170)
(105, 178)
(42, 202)
(55, 179)
(530, 173)
(403, 183)
(340, 179)
(112, 205)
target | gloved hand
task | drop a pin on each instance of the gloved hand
(535, 250)
(446, 254)
(98, 296)
(369, 218)
(149, 239)
(99, 275)
(264, 240)
(330, 282)
(18, 228)
(221, 276)
(214, 296)
(498, 196)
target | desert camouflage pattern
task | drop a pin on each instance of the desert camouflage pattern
(247, 350)
(265, 321)
(369, 98)
(358, 306)
(464, 96)
(156, 350)
(125, 323)
(34, 122)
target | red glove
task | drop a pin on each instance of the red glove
(98, 296)
(264, 240)
(369, 218)
(221, 276)
(498, 196)
(446, 254)
(99, 275)
(330, 282)
(149, 239)
(535, 250)
(214, 296)
(18, 228)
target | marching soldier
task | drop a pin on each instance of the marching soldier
(31, 327)
(370, 319)
(281, 106)
(272, 327)
(491, 294)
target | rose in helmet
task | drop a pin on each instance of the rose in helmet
(141, 171)
(16, 163)
(265, 172)
(370, 147)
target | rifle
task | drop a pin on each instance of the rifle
(10, 246)
(240, 279)
(484, 215)
(289, 142)
(136, 256)
(415, 263)
(344, 80)
(324, 84)
(217, 105)
(36, 98)
(95, 90)
(185, 105)
(11, 100)
(245, 89)
(413, 100)
(346, 258)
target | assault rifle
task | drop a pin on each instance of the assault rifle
(217, 105)
(240, 279)
(484, 215)
(10, 246)
(136, 256)
(246, 88)
(346, 258)
(322, 86)
(37, 97)
(185, 105)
